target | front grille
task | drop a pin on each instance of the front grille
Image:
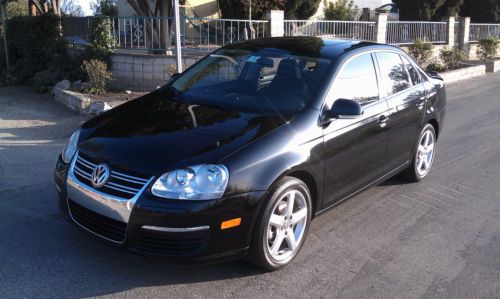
(103, 226)
(175, 244)
(119, 184)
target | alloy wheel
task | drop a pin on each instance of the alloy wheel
(286, 226)
(425, 153)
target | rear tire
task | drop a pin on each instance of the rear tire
(424, 155)
(282, 226)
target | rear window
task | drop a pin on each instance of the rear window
(394, 77)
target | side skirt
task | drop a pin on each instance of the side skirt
(376, 182)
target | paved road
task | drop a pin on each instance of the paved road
(439, 238)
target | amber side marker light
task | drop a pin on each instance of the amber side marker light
(230, 223)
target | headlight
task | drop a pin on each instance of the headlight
(70, 147)
(200, 182)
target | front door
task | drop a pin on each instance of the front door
(355, 149)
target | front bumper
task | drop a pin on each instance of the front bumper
(190, 231)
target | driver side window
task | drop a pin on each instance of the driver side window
(357, 81)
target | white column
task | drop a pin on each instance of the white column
(178, 46)
(276, 25)
(380, 28)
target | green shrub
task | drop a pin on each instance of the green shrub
(487, 48)
(436, 67)
(42, 81)
(451, 58)
(101, 41)
(38, 53)
(421, 51)
(98, 74)
(341, 10)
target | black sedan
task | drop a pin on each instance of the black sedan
(235, 156)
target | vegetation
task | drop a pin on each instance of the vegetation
(101, 41)
(98, 74)
(487, 48)
(294, 9)
(425, 10)
(36, 50)
(421, 51)
(451, 58)
(481, 11)
(108, 8)
(342, 10)
(436, 67)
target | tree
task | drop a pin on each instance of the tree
(107, 8)
(41, 7)
(481, 11)
(160, 31)
(450, 8)
(70, 8)
(239, 9)
(342, 10)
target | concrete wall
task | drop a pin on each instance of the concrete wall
(143, 71)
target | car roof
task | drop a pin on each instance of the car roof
(310, 46)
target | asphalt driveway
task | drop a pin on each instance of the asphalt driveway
(439, 238)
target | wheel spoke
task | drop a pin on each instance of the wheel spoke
(290, 203)
(421, 149)
(425, 163)
(280, 237)
(430, 148)
(290, 239)
(277, 221)
(420, 163)
(426, 139)
(299, 215)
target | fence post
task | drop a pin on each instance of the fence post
(276, 23)
(178, 46)
(451, 32)
(380, 28)
(463, 34)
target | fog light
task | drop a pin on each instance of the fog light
(230, 223)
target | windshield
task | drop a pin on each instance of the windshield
(265, 80)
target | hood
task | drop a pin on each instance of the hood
(156, 133)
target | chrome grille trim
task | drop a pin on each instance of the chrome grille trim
(120, 181)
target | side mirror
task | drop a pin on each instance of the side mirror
(345, 109)
(174, 76)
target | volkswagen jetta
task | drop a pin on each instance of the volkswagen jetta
(236, 155)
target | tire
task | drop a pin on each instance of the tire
(425, 152)
(289, 227)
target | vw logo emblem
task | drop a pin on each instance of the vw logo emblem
(100, 175)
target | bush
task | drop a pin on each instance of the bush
(487, 48)
(451, 57)
(101, 41)
(341, 10)
(98, 74)
(38, 53)
(421, 51)
(436, 67)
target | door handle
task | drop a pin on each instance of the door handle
(421, 102)
(382, 121)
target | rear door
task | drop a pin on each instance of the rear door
(402, 88)
(355, 148)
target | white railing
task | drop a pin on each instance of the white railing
(401, 33)
(157, 34)
(339, 29)
(480, 31)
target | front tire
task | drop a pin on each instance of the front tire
(283, 225)
(424, 155)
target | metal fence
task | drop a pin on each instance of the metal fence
(480, 31)
(401, 33)
(157, 34)
(339, 29)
